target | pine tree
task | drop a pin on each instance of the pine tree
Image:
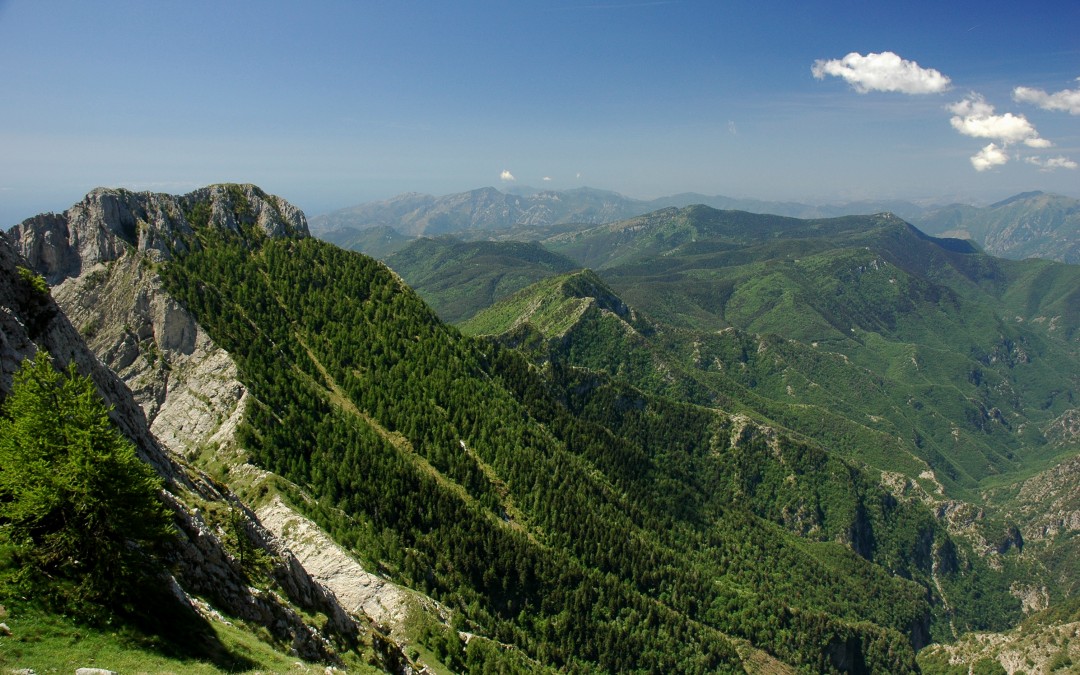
(79, 510)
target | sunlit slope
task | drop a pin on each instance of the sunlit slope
(458, 279)
(513, 495)
(962, 358)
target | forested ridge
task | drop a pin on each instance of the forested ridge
(590, 525)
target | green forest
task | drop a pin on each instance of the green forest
(762, 468)
(590, 524)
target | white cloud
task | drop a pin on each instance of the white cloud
(506, 176)
(974, 117)
(1067, 100)
(988, 158)
(1052, 163)
(546, 179)
(882, 72)
(732, 129)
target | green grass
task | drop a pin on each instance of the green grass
(48, 643)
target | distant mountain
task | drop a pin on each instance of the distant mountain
(1031, 224)
(378, 242)
(922, 312)
(904, 209)
(482, 209)
(458, 278)
(1027, 225)
(487, 209)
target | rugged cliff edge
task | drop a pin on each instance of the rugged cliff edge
(173, 391)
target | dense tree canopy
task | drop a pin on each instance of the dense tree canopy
(80, 513)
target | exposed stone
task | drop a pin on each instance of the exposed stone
(101, 255)
(358, 590)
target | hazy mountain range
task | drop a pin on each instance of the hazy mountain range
(1031, 224)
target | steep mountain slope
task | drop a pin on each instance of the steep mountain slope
(945, 365)
(970, 358)
(1028, 225)
(424, 448)
(104, 257)
(460, 278)
(555, 515)
(204, 563)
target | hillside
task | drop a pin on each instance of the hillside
(458, 279)
(443, 463)
(948, 371)
(967, 355)
(250, 601)
(1027, 225)
(585, 496)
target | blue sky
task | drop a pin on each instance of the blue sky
(330, 104)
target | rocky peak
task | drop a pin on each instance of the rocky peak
(109, 221)
(199, 398)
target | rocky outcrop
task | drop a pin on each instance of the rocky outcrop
(1032, 648)
(109, 223)
(101, 254)
(1049, 503)
(101, 257)
(360, 591)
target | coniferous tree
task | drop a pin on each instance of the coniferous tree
(79, 511)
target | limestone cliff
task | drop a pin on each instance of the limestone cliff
(183, 399)
(100, 255)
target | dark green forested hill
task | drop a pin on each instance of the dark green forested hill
(459, 278)
(898, 351)
(964, 359)
(1030, 224)
(594, 525)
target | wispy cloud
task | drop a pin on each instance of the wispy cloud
(732, 129)
(882, 72)
(546, 179)
(1067, 100)
(506, 176)
(1052, 163)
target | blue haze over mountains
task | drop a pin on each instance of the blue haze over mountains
(1030, 224)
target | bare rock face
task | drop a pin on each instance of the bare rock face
(360, 591)
(186, 385)
(109, 223)
(101, 256)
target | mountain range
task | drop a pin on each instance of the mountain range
(737, 443)
(1031, 224)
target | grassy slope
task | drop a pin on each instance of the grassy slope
(457, 278)
(50, 643)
